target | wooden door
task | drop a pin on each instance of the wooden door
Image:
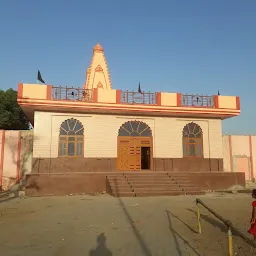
(123, 148)
(129, 152)
(135, 154)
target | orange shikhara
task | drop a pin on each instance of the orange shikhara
(97, 74)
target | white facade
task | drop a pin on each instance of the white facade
(100, 134)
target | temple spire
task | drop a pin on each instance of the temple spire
(97, 75)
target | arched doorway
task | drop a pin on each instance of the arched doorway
(134, 146)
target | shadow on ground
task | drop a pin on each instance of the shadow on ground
(214, 222)
(176, 235)
(101, 248)
(136, 233)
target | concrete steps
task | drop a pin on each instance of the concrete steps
(132, 184)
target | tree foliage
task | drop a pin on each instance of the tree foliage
(12, 116)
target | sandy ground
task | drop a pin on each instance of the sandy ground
(103, 225)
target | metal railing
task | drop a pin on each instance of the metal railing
(128, 97)
(196, 100)
(228, 224)
(70, 93)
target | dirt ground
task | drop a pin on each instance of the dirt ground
(103, 225)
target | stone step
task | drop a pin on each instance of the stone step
(192, 193)
(182, 181)
(159, 193)
(116, 178)
(117, 181)
(189, 187)
(175, 174)
(145, 174)
(148, 178)
(114, 174)
(139, 185)
(120, 186)
(120, 183)
(124, 194)
(179, 178)
(123, 190)
(136, 172)
(157, 189)
(162, 182)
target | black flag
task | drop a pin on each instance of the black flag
(218, 92)
(139, 90)
(39, 77)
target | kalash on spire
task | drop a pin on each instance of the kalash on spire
(97, 74)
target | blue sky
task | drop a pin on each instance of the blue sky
(187, 46)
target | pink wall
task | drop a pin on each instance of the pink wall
(1, 154)
(15, 156)
(239, 154)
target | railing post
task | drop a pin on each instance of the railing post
(230, 242)
(198, 219)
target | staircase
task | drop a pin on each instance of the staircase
(139, 184)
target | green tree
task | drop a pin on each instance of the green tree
(12, 116)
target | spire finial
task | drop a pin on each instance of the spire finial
(98, 48)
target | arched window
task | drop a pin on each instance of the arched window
(135, 128)
(192, 140)
(71, 138)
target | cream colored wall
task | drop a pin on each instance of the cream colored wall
(226, 154)
(10, 154)
(227, 102)
(34, 91)
(168, 99)
(99, 129)
(26, 151)
(240, 145)
(106, 96)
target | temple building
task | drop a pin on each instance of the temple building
(87, 138)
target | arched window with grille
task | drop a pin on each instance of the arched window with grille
(71, 138)
(192, 140)
(135, 128)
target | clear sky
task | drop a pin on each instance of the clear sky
(192, 46)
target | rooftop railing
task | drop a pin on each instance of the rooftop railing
(196, 100)
(70, 93)
(128, 97)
